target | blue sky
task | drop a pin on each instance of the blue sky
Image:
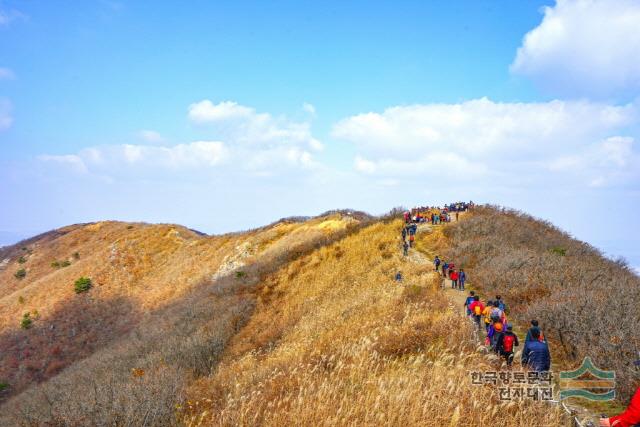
(227, 115)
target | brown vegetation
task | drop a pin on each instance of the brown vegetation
(334, 340)
(160, 305)
(586, 303)
(296, 323)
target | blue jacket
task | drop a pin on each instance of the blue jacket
(536, 355)
(462, 276)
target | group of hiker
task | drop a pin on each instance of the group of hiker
(448, 270)
(492, 316)
(408, 237)
(499, 335)
(435, 214)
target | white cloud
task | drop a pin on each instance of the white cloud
(584, 48)
(6, 119)
(250, 143)
(617, 150)
(365, 166)
(309, 108)
(112, 158)
(151, 136)
(230, 121)
(607, 162)
(207, 112)
(497, 142)
(6, 74)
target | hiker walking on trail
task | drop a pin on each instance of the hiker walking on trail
(462, 277)
(496, 328)
(476, 308)
(404, 233)
(412, 238)
(405, 247)
(398, 277)
(486, 313)
(534, 327)
(454, 279)
(631, 416)
(436, 263)
(468, 302)
(505, 344)
(536, 354)
(445, 268)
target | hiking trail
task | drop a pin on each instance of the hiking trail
(580, 416)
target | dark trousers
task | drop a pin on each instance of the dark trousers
(508, 356)
(476, 318)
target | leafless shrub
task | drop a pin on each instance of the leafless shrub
(586, 303)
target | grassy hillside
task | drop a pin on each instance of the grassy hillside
(586, 303)
(297, 323)
(334, 340)
(164, 300)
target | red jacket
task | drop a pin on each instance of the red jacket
(631, 416)
(473, 305)
(454, 275)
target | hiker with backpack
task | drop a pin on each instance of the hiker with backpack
(487, 316)
(536, 355)
(453, 275)
(445, 268)
(468, 302)
(404, 233)
(631, 416)
(501, 305)
(462, 277)
(506, 343)
(496, 328)
(534, 327)
(405, 247)
(497, 315)
(436, 262)
(476, 308)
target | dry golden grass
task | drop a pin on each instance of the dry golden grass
(335, 341)
(586, 304)
(138, 270)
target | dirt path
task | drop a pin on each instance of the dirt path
(457, 298)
